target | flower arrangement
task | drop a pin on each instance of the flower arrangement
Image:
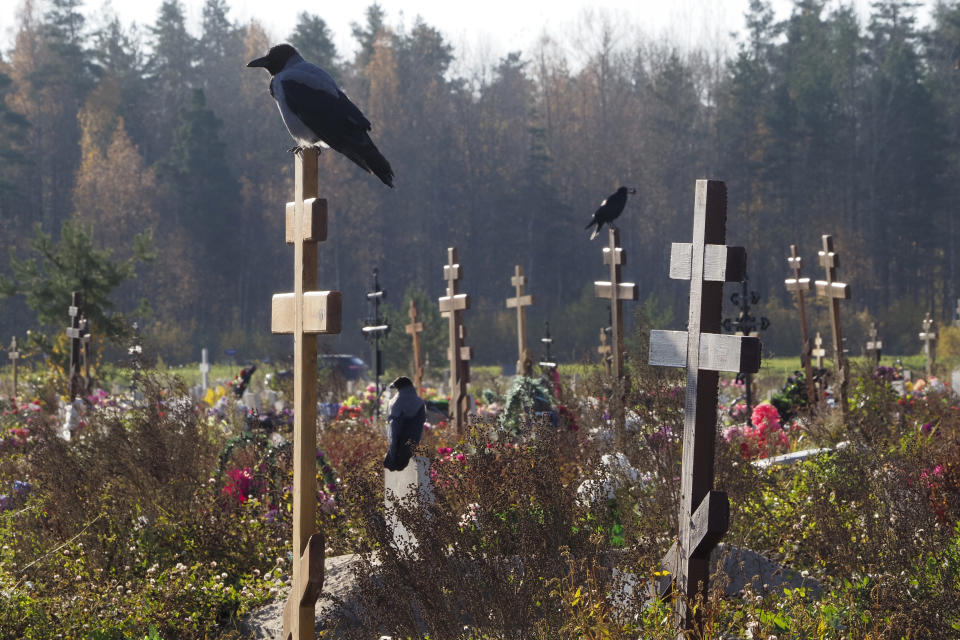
(765, 436)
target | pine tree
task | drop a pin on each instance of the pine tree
(314, 41)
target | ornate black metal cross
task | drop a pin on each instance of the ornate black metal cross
(75, 334)
(375, 328)
(746, 325)
(547, 341)
(704, 513)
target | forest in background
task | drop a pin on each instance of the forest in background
(821, 123)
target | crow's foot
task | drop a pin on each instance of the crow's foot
(295, 150)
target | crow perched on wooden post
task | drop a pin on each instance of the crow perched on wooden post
(609, 210)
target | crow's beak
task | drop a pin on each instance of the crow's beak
(259, 62)
(630, 191)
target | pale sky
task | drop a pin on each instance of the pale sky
(480, 31)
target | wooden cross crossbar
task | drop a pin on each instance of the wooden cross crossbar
(818, 351)
(874, 345)
(415, 328)
(704, 512)
(452, 307)
(305, 313)
(835, 292)
(798, 286)
(519, 302)
(929, 338)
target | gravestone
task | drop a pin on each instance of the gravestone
(604, 349)
(874, 345)
(520, 301)
(798, 286)
(818, 351)
(411, 483)
(14, 357)
(929, 338)
(704, 513)
(204, 370)
(305, 313)
(415, 328)
(374, 329)
(452, 307)
(835, 292)
(75, 334)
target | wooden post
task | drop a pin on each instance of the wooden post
(929, 337)
(414, 329)
(835, 292)
(74, 333)
(604, 350)
(798, 286)
(374, 329)
(204, 369)
(616, 292)
(305, 313)
(85, 352)
(874, 345)
(452, 307)
(818, 351)
(704, 513)
(521, 301)
(547, 341)
(14, 356)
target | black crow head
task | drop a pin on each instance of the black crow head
(626, 190)
(275, 59)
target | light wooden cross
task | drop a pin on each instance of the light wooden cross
(204, 369)
(798, 286)
(75, 311)
(14, 356)
(835, 292)
(616, 292)
(415, 328)
(452, 307)
(305, 313)
(874, 345)
(520, 302)
(704, 513)
(547, 341)
(929, 337)
(818, 351)
(604, 350)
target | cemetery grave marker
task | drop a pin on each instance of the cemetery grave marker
(704, 513)
(835, 291)
(818, 351)
(375, 328)
(798, 285)
(305, 313)
(414, 329)
(874, 345)
(453, 305)
(929, 338)
(604, 350)
(204, 369)
(14, 357)
(746, 325)
(521, 301)
(135, 351)
(547, 341)
(956, 314)
(85, 350)
(616, 292)
(74, 333)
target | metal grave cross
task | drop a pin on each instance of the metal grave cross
(204, 369)
(704, 513)
(374, 329)
(75, 334)
(929, 337)
(874, 345)
(818, 351)
(798, 286)
(415, 328)
(305, 313)
(521, 301)
(14, 357)
(452, 306)
(835, 292)
(547, 341)
(745, 325)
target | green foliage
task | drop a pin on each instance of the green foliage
(525, 399)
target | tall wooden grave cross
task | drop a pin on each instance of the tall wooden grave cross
(798, 286)
(415, 328)
(874, 345)
(14, 356)
(604, 350)
(520, 301)
(75, 334)
(616, 292)
(204, 369)
(835, 291)
(704, 513)
(305, 313)
(452, 306)
(929, 337)
(818, 351)
(374, 329)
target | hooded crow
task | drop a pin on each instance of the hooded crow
(609, 210)
(317, 112)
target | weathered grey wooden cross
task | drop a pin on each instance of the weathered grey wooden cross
(798, 286)
(604, 350)
(415, 328)
(520, 301)
(14, 356)
(704, 513)
(818, 351)
(929, 338)
(305, 313)
(75, 334)
(452, 307)
(835, 292)
(874, 345)
(204, 369)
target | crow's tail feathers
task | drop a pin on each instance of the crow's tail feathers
(596, 229)
(368, 157)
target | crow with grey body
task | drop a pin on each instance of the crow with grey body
(609, 210)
